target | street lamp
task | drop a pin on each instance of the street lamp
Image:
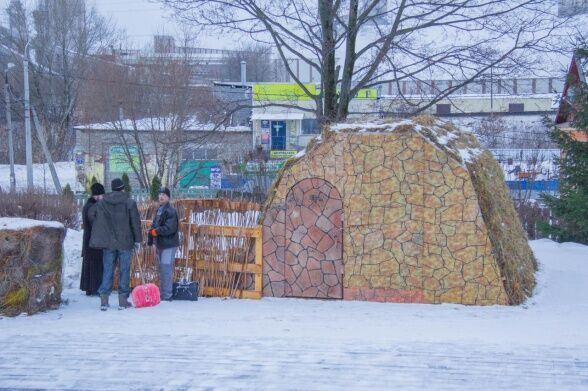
(9, 125)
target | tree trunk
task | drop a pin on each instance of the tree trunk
(329, 75)
(349, 66)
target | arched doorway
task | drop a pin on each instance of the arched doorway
(314, 241)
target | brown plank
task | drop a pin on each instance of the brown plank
(224, 292)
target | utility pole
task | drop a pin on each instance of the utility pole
(27, 104)
(41, 137)
(491, 92)
(9, 125)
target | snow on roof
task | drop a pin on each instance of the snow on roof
(460, 144)
(161, 124)
(17, 223)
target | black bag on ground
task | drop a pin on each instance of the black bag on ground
(187, 290)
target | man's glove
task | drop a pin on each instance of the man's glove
(153, 232)
(137, 247)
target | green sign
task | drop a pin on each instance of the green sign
(120, 158)
(255, 167)
(196, 173)
(364, 94)
(282, 92)
(278, 154)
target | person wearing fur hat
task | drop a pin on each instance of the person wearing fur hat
(116, 228)
(91, 276)
(164, 234)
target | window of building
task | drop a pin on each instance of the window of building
(310, 126)
(443, 109)
(516, 107)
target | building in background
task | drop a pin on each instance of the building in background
(284, 121)
(572, 7)
(107, 150)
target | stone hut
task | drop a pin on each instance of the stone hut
(412, 211)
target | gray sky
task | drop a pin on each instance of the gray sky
(141, 19)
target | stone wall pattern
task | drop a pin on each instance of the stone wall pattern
(412, 226)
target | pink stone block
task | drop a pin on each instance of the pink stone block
(269, 247)
(317, 182)
(313, 264)
(328, 267)
(331, 280)
(309, 217)
(316, 234)
(304, 279)
(314, 253)
(324, 224)
(310, 292)
(274, 276)
(304, 185)
(298, 234)
(325, 243)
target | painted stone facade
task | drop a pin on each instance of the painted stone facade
(313, 251)
(412, 227)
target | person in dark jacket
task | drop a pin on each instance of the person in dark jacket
(116, 228)
(91, 277)
(164, 234)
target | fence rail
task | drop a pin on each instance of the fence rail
(225, 260)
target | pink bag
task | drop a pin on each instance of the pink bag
(145, 295)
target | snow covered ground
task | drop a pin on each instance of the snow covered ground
(66, 172)
(308, 344)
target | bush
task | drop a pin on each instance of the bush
(90, 183)
(40, 206)
(67, 191)
(155, 186)
(127, 182)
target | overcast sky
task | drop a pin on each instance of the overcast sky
(141, 19)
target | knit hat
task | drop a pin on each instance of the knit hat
(165, 191)
(97, 189)
(117, 184)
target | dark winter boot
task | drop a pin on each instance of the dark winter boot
(123, 301)
(104, 302)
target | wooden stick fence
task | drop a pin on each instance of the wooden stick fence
(224, 257)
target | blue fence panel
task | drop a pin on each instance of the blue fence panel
(546, 185)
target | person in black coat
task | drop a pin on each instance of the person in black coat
(164, 234)
(91, 276)
(116, 228)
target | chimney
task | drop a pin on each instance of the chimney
(243, 72)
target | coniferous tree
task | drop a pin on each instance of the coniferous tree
(67, 191)
(90, 183)
(155, 186)
(127, 182)
(570, 208)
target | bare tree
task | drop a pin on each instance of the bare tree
(357, 44)
(491, 131)
(258, 59)
(154, 110)
(60, 37)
